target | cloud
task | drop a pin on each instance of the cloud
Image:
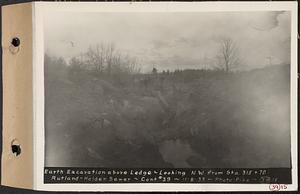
(268, 22)
(173, 40)
(159, 44)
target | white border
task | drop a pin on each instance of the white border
(38, 84)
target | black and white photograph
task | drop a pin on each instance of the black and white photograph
(167, 90)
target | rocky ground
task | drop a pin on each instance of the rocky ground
(188, 119)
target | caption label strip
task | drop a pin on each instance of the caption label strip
(170, 175)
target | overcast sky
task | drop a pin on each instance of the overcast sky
(173, 40)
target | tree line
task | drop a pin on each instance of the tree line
(105, 59)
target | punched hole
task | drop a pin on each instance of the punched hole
(15, 42)
(15, 147)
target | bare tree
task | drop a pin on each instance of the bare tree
(104, 58)
(130, 65)
(229, 58)
(95, 57)
(109, 57)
